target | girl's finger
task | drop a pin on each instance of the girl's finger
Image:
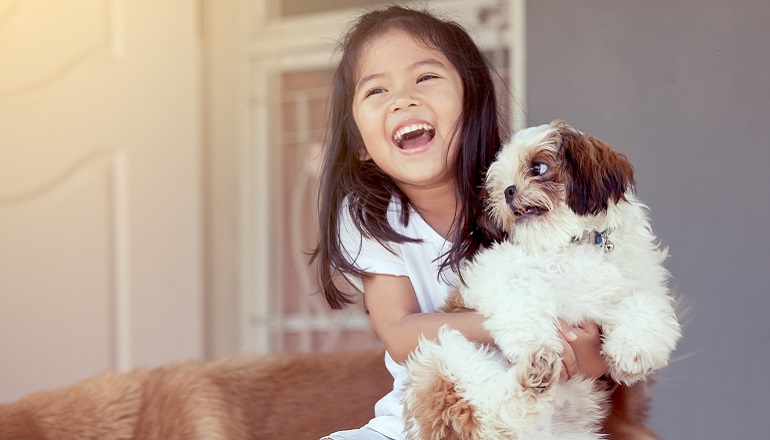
(589, 327)
(566, 330)
(569, 361)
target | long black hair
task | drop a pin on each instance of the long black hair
(363, 186)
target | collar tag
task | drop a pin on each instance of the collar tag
(597, 239)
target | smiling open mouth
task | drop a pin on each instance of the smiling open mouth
(413, 136)
(529, 211)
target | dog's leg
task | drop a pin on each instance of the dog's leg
(523, 325)
(435, 406)
(641, 337)
(641, 329)
(639, 333)
(461, 390)
(521, 315)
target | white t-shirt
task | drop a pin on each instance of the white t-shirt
(417, 261)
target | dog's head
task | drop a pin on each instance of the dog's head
(550, 183)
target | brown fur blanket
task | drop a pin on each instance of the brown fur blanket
(291, 397)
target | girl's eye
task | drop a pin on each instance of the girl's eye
(539, 168)
(374, 91)
(425, 77)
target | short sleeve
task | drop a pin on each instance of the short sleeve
(368, 254)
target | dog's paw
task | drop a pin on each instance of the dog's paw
(629, 362)
(539, 372)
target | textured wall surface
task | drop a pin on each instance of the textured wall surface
(684, 89)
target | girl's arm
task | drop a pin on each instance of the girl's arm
(399, 324)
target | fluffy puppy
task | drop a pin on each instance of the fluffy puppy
(274, 397)
(578, 246)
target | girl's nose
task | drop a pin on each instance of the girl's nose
(404, 101)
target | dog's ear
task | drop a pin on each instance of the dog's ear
(490, 232)
(594, 172)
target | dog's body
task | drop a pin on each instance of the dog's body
(303, 396)
(578, 246)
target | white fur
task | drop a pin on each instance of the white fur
(524, 285)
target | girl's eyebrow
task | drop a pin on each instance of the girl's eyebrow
(428, 62)
(368, 78)
(425, 62)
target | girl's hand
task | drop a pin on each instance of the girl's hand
(582, 351)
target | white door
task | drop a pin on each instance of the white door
(100, 188)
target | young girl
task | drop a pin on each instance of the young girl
(413, 128)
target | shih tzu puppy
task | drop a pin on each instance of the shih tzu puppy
(577, 246)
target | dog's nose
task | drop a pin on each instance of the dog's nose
(509, 193)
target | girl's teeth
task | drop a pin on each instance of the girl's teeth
(410, 128)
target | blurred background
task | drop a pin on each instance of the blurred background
(158, 162)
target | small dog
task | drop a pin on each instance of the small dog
(575, 244)
(289, 397)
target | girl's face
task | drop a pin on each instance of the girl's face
(407, 103)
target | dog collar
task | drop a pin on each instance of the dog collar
(597, 238)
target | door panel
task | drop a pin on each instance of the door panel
(57, 274)
(100, 248)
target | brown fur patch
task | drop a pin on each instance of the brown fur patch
(454, 303)
(629, 408)
(272, 397)
(594, 173)
(443, 414)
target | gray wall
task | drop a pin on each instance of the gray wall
(683, 87)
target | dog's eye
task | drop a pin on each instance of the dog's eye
(539, 168)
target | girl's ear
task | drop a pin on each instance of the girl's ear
(363, 153)
(594, 173)
(356, 143)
